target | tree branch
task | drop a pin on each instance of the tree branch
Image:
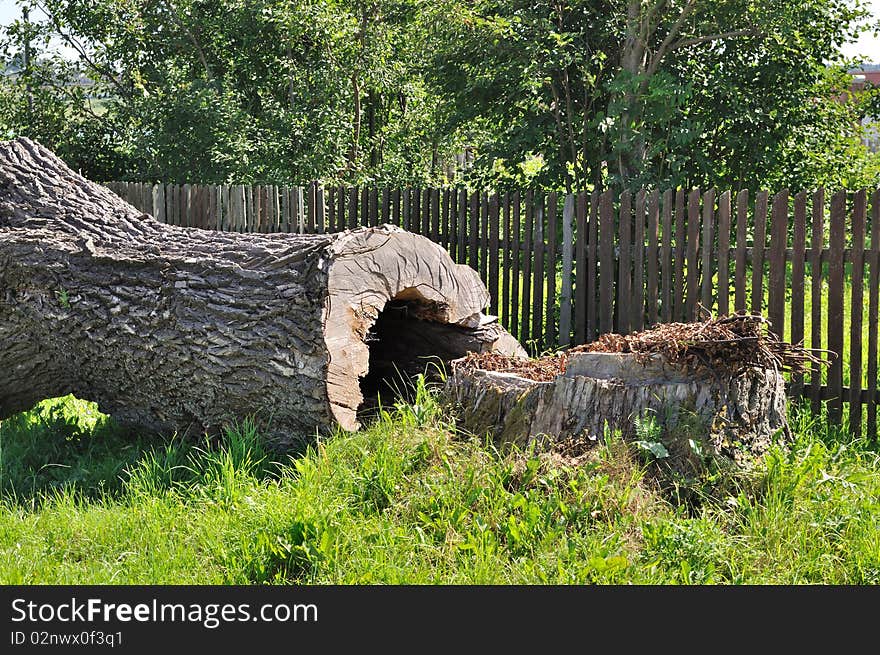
(674, 31)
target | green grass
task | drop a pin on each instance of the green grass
(408, 501)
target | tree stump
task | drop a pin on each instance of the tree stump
(171, 328)
(598, 392)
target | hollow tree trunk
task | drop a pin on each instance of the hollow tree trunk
(168, 328)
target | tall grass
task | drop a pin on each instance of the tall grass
(407, 500)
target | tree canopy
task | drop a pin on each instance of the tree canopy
(572, 94)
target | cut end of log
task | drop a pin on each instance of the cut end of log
(396, 302)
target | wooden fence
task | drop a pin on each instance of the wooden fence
(563, 269)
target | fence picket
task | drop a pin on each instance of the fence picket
(474, 231)
(739, 274)
(565, 296)
(445, 220)
(386, 206)
(693, 261)
(606, 263)
(776, 284)
(724, 254)
(526, 306)
(550, 336)
(505, 273)
(758, 245)
(816, 244)
(435, 217)
(484, 238)
(592, 234)
(515, 254)
(798, 258)
(538, 274)
(395, 207)
(462, 226)
(707, 244)
(857, 226)
(680, 243)
(624, 267)
(493, 253)
(873, 298)
(652, 257)
(835, 304)
(320, 210)
(666, 259)
(637, 302)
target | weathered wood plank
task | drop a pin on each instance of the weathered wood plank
(606, 263)
(435, 219)
(873, 298)
(798, 259)
(462, 226)
(835, 303)
(592, 259)
(407, 210)
(653, 254)
(778, 243)
(707, 244)
(515, 248)
(474, 232)
(493, 253)
(724, 254)
(386, 206)
(550, 327)
(666, 258)
(565, 296)
(623, 295)
(484, 238)
(680, 252)
(760, 240)
(505, 272)
(742, 227)
(395, 208)
(525, 334)
(374, 206)
(857, 227)
(539, 274)
(637, 304)
(692, 291)
(817, 241)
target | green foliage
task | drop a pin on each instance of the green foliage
(575, 94)
(224, 90)
(733, 94)
(405, 501)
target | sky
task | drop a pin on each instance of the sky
(867, 47)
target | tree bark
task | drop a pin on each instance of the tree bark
(170, 328)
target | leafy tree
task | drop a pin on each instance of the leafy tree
(265, 90)
(665, 92)
(562, 93)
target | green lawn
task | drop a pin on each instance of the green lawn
(408, 501)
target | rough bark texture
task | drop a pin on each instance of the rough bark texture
(170, 328)
(739, 414)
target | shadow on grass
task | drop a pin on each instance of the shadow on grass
(66, 445)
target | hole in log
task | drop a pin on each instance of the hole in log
(402, 344)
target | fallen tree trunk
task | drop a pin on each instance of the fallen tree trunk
(168, 328)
